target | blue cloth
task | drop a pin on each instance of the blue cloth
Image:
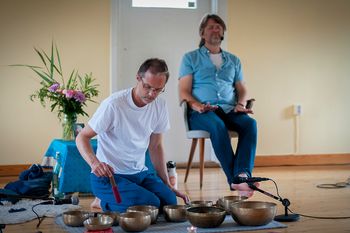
(35, 171)
(75, 175)
(142, 188)
(32, 182)
(217, 123)
(209, 84)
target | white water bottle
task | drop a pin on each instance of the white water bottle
(171, 167)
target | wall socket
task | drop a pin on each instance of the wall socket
(297, 109)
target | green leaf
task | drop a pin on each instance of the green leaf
(47, 79)
(59, 60)
(52, 62)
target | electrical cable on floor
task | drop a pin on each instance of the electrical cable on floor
(305, 215)
(37, 216)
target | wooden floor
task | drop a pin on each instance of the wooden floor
(297, 183)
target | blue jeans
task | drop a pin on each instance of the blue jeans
(144, 188)
(217, 124)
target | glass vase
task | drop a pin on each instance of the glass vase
(68, 123)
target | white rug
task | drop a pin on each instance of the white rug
(24, 216)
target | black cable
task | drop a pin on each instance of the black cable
(37, 216)
(305, 215)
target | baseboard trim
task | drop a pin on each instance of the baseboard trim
(287, 160)
(260, 161)
(13, 170)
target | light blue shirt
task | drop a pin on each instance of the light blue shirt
(210, 84)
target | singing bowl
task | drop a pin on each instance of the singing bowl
(253, 213)
(175, 213)
(75, 218)
(226, 201)
(99, 223)
(201, 203)
(206, 216)
(152, 210)
(113, 215)
(134, 221)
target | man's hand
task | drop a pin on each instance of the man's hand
(184, 197)
(243, 109)
(201, 108)
(101, 169)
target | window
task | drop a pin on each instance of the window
(184, 4)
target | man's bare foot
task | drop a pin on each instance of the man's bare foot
(243, 189)
(96, 204)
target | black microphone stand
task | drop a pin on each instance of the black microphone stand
(285, 202)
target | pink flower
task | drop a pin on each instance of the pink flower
(69, 93)
(54, 87)
(79, 96)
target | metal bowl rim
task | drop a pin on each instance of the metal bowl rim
(221, 211)
(238, 204)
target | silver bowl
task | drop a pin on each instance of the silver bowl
(99, 223)
(75, 218)
(175, 213)
(226, 201)
(134, 221)
(253, 213)
(152, 210)
(113, 215)
(206, 216)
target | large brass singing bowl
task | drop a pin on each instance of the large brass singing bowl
(201, 203)
(134, 221)
(75, 218)
(175, 213)
(152, 210)
(206, 216)
(99, 223)
(226, 201)
(253, 213)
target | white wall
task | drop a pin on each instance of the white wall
(292, 51)
(296, 52)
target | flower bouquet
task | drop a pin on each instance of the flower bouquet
(67, 97)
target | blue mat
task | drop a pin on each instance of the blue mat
(162, 226)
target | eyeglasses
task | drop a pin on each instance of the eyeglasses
(148, 88)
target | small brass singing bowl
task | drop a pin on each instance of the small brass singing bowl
(201, 203)
(206, 216)
(226, 201)
(152, 210)
(253, 213)
(75, 218)
(113, 215)
(175, 213)
(134, 221)
(99, 223)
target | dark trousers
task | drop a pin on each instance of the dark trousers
(144, 188)
(217, 124)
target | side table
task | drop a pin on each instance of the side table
(75, 173)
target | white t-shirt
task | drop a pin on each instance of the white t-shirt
(124, 130)
(216, 58)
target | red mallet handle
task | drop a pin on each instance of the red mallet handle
(115, 190)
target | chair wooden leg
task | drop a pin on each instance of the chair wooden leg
(201, 160)
(190, 157)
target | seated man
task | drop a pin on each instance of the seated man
(211, 82)
(127, 124)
